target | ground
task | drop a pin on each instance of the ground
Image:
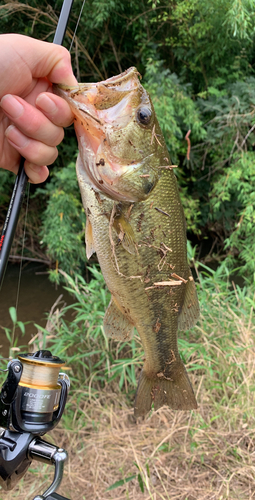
(171, 455)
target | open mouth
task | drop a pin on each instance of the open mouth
(124, 81)
(100, 108)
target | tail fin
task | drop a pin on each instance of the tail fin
(175, 391)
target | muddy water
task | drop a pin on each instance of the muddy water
(36, 297)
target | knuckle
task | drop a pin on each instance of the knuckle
(40, 154)
(54, 156)
(65, 53)
(59, 137)
(33, 125)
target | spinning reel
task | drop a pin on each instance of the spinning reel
(32, 401)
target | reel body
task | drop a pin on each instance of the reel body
(32, 401)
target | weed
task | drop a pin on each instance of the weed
(11, 334)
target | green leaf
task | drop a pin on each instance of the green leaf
(8, 334)
(121, 482)
(13, 314)
(140, 481)
(21, 326)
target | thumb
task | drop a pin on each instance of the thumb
(26, 59)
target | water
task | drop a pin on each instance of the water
(37, 296)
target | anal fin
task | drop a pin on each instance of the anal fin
(190, 309)
(116, 325)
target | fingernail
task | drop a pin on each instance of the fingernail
(16, 137)
(46, 103)
(12, 106)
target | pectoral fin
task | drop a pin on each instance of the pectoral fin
(190, 310)
(116, 325)
(125, 234)
(90, 249)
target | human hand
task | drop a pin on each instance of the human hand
(31, 116)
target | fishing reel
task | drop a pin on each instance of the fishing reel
(32, 401)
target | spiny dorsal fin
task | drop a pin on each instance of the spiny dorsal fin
(190, 310)
(116, 325)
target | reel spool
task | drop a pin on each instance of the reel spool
(41, 393)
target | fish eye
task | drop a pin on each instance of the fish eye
(143, 115)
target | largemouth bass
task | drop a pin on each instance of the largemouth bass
(136, 226)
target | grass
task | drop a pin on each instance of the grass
(207, 454)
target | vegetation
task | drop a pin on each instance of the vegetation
(197, 62)
(203, 454)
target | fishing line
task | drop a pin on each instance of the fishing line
(21, 261)
(77, 24)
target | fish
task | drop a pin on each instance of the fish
(136, 226)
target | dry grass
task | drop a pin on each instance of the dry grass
(208, 454)
(184, 456)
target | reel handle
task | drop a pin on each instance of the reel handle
(17, 450)
(45, 452)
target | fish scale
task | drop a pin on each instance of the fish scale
(136, 226)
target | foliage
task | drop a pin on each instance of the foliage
(6, 182)
(241, 181)
(63, 222)
(197, 62)
(12, 337)
(228, 159)
(239, 19)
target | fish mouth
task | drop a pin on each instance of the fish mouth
(93, 97)
(98, 108)
(121, 80)
(124, 79)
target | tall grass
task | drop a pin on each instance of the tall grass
(207, 454)
(219, 348)
(95, 361)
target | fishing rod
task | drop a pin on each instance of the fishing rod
(13, 212)
(34, 394)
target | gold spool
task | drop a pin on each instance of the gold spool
(40, 374)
